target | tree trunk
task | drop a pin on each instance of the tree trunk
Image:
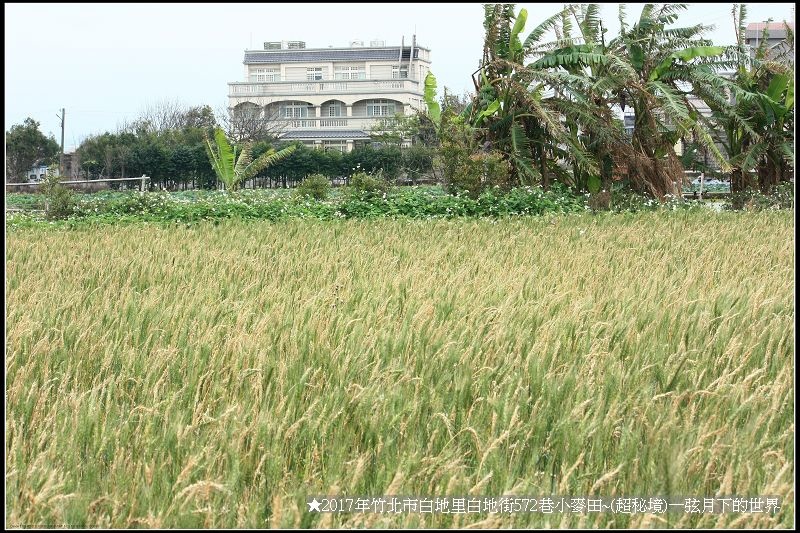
(767, 176)
(737, 180)
(545, 175)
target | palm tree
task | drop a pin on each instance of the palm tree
(232, 168)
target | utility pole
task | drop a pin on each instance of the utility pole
(61, 159)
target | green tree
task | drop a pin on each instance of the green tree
(394, 131)
(651, 67)
(27, 146)
(233, 168)
(757, 128)
(668, 64)
(590, 74)
(513, 110)
(417, 161)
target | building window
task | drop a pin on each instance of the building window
(314, 73)
(350, 73)
(380, 108)
(400, 72)
(295, 110)
(267, 75)
(335, 110)
(340, 146)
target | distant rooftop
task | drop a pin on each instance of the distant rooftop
(770, 26)
(776, 30)
(351, 53)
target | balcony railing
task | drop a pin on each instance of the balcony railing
(321, 87)
(360, 123)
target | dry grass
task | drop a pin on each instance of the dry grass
(213, 376)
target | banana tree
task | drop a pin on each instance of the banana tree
(593, 78)
(234, 166)
(757, 128)
(668, 65)
(772, 154)
(513, 107)
(429, 96)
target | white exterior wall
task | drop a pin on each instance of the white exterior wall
(353, 95)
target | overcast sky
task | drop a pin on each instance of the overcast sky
(105, 63)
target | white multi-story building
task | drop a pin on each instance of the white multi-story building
(331, 97)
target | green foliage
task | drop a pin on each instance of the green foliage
(232, 167)
(369, 198)
(479, 172)
(59, 202)
(169, 157)
(758, 128)
(685, 56)
(593, 184)
(366, 186)
(434, 110)
(466, 167)
(411, 202)
(388, 160)
(26, 146)
(395, 130)
(624, 200)
(315, 186)
(458, 142)
(780, 197)
(418, 161)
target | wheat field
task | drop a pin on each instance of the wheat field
(216, 375)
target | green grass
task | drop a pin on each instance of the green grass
(213, 376)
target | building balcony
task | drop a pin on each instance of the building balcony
(288, 88)
(333, 123)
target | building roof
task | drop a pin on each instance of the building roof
(776, 30)
(327, 54)
(325, 134)
(771, 26)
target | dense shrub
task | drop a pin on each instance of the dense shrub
(782, 197)
(366, 186)
(468, 168)
(418, 161)
(60, 203)
(478, 172)
(387, 159)
(315, 186)
(371, 198)
(600, 200)
(625, 200)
